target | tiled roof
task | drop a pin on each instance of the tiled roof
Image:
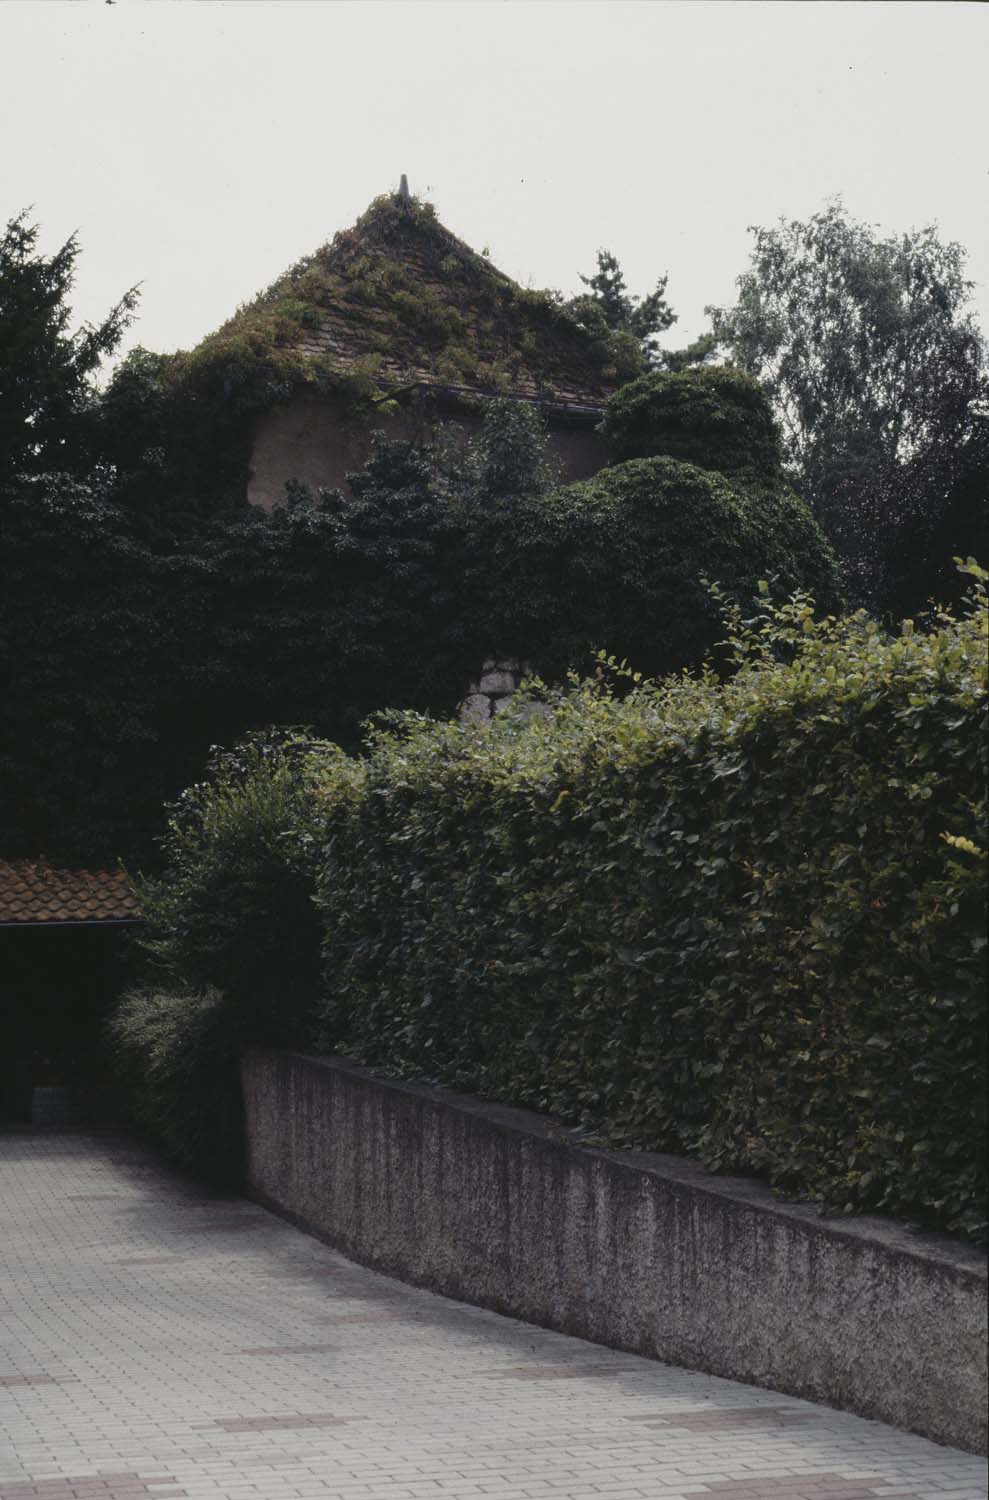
(555, 363)
(401, 295)
(33, 891)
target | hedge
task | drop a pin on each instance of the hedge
(743, 919)
(617, 560)
(718, 418)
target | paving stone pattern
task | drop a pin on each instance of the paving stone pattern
(155, 1341)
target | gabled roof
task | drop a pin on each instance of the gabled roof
(34, 892)
(398, 300)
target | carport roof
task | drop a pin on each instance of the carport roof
(33, 893)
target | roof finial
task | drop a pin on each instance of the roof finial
(404, 196)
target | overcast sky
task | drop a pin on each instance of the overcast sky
(200, 147)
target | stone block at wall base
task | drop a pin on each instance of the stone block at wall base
(638, 1251)
(497, 683)
(476, 709)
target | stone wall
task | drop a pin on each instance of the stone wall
(490, 692)
(642, 1252)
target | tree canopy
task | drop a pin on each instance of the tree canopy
(627, 326)
(877, 374)
(626, 323)
(46, 372)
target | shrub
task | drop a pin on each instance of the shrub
(179, 1055)
(232, 943)
(231, 911)
(107, 684)
(618, 560)
(717, 418)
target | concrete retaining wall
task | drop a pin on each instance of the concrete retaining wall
(642, 1252)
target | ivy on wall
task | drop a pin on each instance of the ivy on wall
(138, 633)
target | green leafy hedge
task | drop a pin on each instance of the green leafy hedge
(618, 560)
(743, 919)
(717, 418)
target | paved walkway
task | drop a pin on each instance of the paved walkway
(155, 1340)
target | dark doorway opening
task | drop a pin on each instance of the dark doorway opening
(58, 983)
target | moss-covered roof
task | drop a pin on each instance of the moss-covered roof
(398, 300)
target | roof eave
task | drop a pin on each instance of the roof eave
(580, 412)
(75, 922)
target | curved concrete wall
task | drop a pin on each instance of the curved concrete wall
(642, 1252)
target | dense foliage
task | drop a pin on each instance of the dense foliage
(46, 373)
(623, 325)
(877, 373)
(741, 918)
(716, 418)
(133, 637)
(232, 911)
(109, 678)
(619, 559)
(696, 490)
(232, 957)
(148, 613)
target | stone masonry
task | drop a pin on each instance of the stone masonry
(489, 694)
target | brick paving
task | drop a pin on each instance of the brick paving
(143, 1353)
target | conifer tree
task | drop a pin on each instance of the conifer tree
(46, 372)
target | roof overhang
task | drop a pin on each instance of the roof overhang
(575, 413)
(34, 893)
(52, 924)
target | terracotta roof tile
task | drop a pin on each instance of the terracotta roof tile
(33, 891)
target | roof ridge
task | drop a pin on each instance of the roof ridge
(390, 213)
(399, 298)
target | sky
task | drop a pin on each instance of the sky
(200, 147)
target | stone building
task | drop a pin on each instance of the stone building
(398, 325)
